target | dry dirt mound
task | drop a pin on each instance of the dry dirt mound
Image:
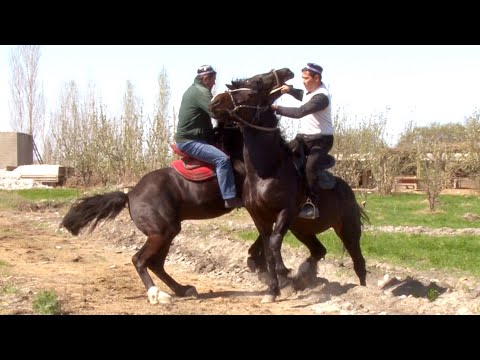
(93, 274)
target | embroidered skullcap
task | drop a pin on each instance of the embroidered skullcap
(314, 68)
(205, 70)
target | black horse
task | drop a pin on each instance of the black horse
(338, 206)
(273, 191)
(158, 204)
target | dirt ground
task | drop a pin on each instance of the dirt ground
(93, 274)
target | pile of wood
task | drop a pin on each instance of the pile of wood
(53, 175)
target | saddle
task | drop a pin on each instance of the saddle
(326, 180)
(190, 168)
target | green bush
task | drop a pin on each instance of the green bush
(46, 303)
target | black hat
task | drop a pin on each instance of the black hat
(313, 68)
(205, 70)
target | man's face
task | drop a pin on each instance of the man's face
(209, 81)
(310, 82)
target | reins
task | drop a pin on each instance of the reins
(259, 110)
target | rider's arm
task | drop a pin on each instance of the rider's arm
(318, 102)
(204, 98)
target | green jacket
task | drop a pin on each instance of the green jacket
(194, 118)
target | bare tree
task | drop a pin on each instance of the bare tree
(158, 135)
(71, 140)
(132, 134)
(471, 163)
(433, 151)
(27, 106)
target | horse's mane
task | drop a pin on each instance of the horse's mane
(236, 84)
(237, 81)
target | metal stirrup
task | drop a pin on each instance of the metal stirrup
(310, 203)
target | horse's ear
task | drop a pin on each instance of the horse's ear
(229, 87)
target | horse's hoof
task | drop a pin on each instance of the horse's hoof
(155, 295)
(267, 299)
(191, 291)
(287, 290)
(307, 269)
(164, 298)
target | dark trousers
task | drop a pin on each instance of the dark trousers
(315, 147)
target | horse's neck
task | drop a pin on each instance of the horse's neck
(263, 152)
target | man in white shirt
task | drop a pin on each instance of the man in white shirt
(315, 134)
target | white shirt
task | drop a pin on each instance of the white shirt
(319, 122)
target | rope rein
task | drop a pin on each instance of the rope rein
(259, 110)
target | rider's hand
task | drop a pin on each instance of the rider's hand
(285, 89)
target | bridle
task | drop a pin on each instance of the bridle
(276, 78)
(259, 110)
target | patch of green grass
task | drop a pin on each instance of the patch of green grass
(54, 194)
(424, 251)
(8, 289)
(33, 199)
(420, 252)
(403, 209)
(46, 303)
(4, 263)
(9, 199)
(432, 294)
(4, 267)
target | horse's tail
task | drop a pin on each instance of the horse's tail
(346, 192)
(94, 208)
(364, 218)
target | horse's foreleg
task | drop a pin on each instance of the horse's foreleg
(284, 220)
(265, 230)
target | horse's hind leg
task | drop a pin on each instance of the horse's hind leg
(256, 257)
(350, 236)
(157, 266)
(152, 255)
(307, 271)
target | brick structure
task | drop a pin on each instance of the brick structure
(15, 149)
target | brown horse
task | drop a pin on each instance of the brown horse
(158, 204)
(273, 191)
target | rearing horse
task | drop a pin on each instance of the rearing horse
(272, 191)
(339, 210)
(158, 204)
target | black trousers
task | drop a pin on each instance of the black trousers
(315, 147)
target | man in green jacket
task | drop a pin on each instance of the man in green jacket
(195, 129)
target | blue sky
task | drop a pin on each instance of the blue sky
(423, 83)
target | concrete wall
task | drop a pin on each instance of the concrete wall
(15, 149)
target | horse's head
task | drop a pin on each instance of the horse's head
(229, 105)
(244, 105)
(273, 79)
(268, 84)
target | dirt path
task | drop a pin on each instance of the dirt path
(93, 274)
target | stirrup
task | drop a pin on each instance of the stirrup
(308, 211)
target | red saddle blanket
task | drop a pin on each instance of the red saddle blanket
(192, 169)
